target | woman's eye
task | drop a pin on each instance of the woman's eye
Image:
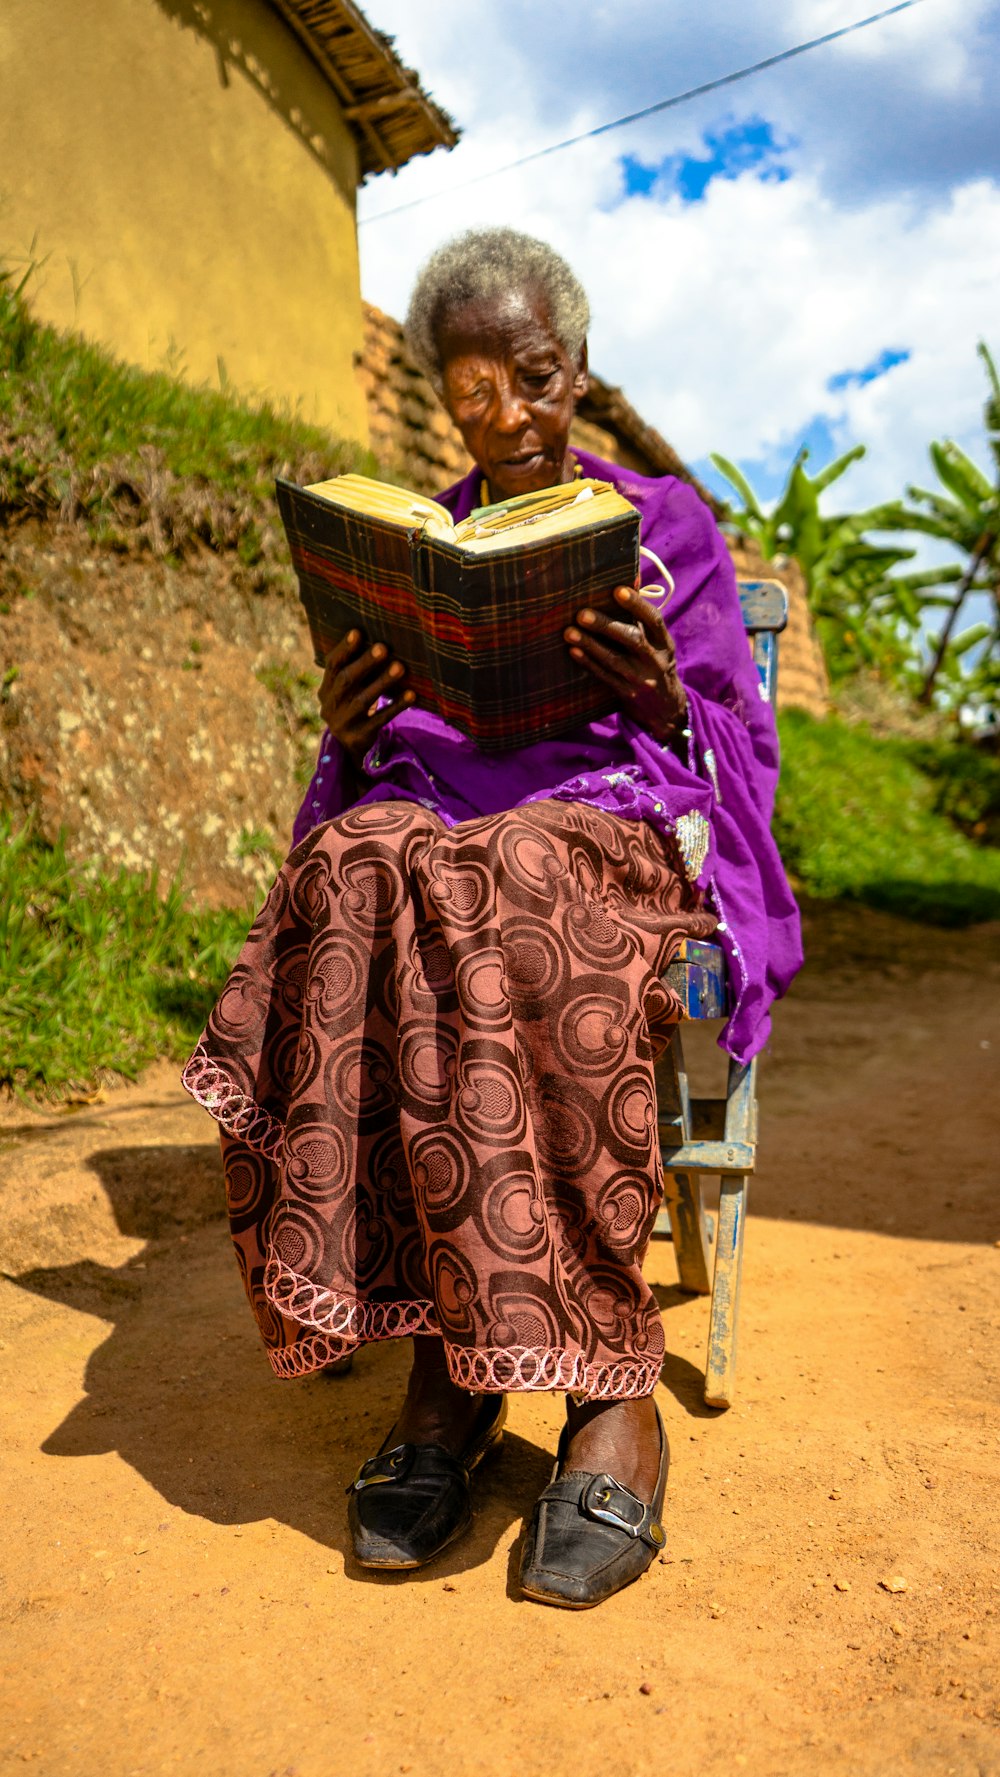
(538, 382)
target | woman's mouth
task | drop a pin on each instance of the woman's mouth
(522, 462)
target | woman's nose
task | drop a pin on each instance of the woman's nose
(510, 413)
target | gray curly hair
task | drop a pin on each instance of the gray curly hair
(482, 264)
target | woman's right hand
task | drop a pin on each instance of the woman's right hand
(355, 677)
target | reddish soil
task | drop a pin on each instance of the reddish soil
(177, 1593)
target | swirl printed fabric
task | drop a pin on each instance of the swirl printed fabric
(433, 1069)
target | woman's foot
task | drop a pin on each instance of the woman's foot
(596, 1528)
(436, 1410)
(413, 1499)
(619, 1438)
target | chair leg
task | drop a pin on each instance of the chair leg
(687, 1225)
(720, 1369)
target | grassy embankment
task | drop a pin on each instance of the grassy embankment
(144, 462)
(911, 827)
(99, 972)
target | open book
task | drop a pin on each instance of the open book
(476, 611)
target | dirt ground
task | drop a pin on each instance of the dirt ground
(177, 1594)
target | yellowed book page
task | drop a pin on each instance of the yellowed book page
(380, 499)
(554, 512)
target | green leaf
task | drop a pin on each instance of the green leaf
(796, 518)
(944, 520)
(960, 475)
(738, 480)
(943, 576)
(835, 470)
(977, 632)
(991, 369)
(892, 516)
(842, 533)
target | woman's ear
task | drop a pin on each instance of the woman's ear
(581, 380)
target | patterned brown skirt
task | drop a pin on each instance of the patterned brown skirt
(433, 1068)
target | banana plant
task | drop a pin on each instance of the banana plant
(966, 515)
(864, 613)
(795, 526)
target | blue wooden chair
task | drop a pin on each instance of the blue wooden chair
(714, 1134)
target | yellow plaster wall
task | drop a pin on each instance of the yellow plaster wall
(185, 172)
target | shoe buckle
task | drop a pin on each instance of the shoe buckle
(599, 1503)
(388, 1465)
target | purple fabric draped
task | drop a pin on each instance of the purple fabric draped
(729, 777)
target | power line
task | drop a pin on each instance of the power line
(693, 92)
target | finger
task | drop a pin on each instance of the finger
(359, 673)
(628, 636)
(363, 732)
(628, 669)
(645, 614)
(386, 713)
(628, 693)
(623, 689)
(341, 703)
(341, 651)
(368, 694)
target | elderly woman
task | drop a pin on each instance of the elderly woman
(433, 1063)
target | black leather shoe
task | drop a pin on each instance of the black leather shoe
(589, 1536)
(410, 1502)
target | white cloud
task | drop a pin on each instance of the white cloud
(933, 44)
(723, 320)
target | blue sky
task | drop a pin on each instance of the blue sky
(869, 373)
(749, 145)
(807, 256)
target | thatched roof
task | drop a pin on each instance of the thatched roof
(383, 101)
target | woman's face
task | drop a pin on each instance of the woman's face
(511, 390)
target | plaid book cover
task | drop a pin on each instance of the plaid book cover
(481, 635)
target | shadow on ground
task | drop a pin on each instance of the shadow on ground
(183, 1348)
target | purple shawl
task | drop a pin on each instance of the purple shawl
(718, 804)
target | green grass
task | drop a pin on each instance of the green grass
(142, 459)
(880, 821)
(99, 975)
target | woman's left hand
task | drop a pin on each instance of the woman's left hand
(635, 656)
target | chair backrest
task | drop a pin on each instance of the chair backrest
(698, 974)
(764, 604)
